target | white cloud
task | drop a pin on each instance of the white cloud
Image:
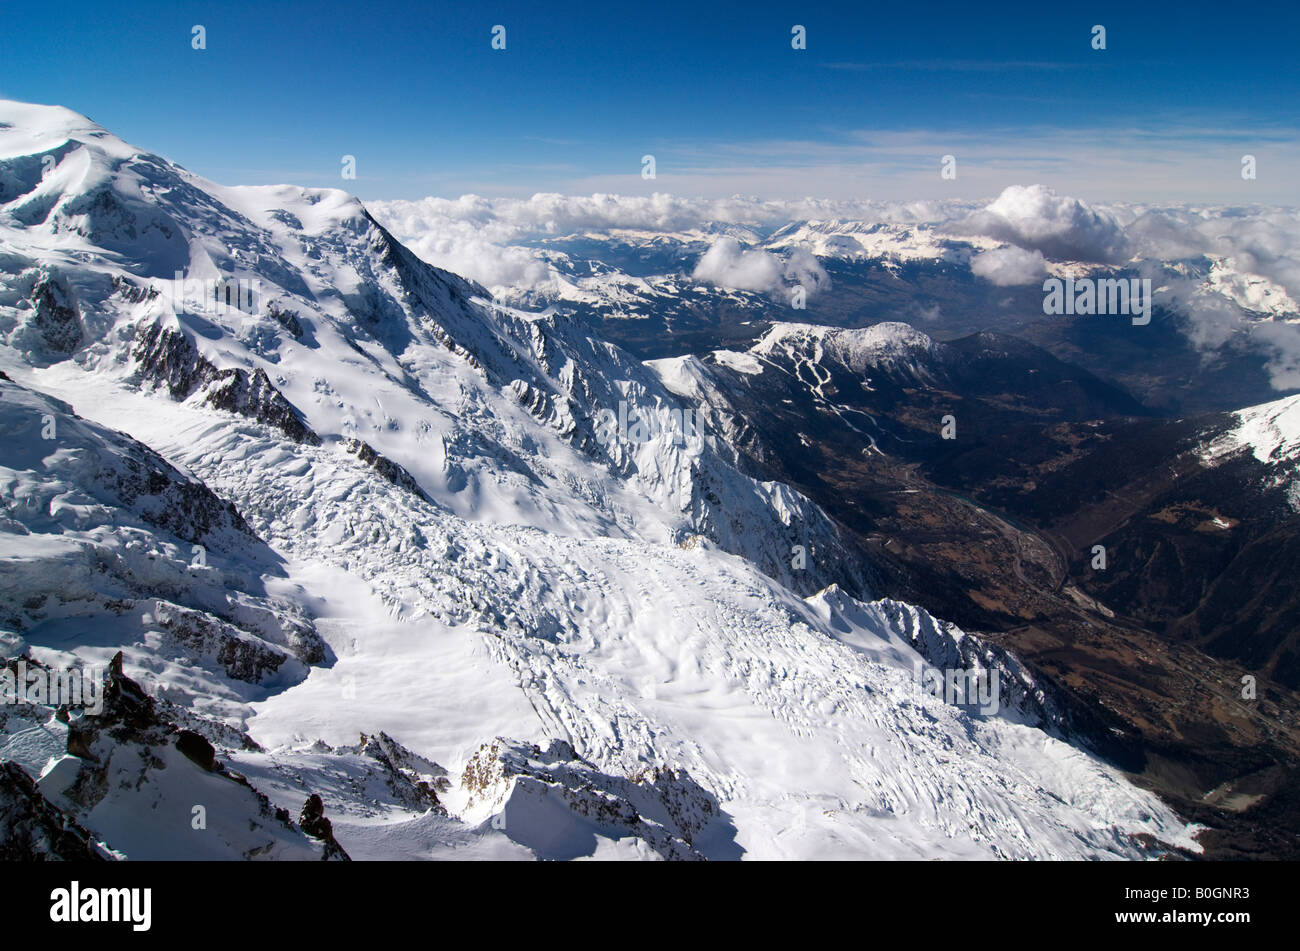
(1282, 343)
(1035, 218)
(728, 266)
(500, 220)
(492, 265)
(803, 268)
(1009, 266)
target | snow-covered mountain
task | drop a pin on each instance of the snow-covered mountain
(665, 276)
(1270, 433)
(379, 567)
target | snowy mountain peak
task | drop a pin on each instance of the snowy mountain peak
(27, 128)
(1271, 433)
(855, 348)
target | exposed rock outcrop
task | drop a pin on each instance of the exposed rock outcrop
(32, 829)
(167, 357)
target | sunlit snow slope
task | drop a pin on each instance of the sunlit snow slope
(479, 626)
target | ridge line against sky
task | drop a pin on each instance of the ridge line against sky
(720, 98)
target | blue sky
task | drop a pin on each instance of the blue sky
(715, 93)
